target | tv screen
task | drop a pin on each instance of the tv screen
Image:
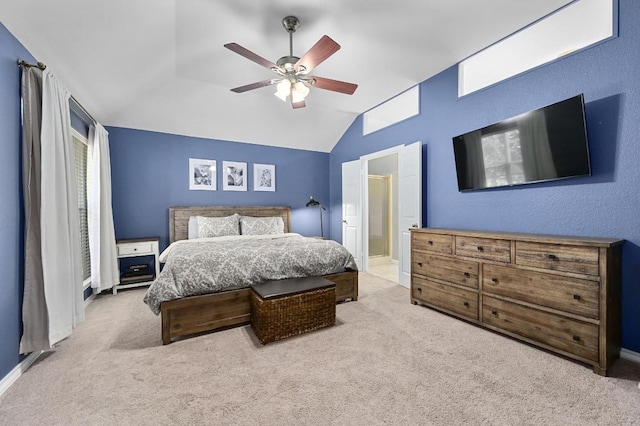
(541, 145)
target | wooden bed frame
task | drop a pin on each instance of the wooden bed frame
(199, 314)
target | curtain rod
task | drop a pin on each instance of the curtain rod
(42, 67)
(38, 65)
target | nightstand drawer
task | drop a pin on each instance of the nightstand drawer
(140, 248)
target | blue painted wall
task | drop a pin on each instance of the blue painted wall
(606, 204)
(11, 238)
(150, 173)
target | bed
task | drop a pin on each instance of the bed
(190, 315)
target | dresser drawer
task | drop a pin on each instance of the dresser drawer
(567, 294)
(437, 243)
(484, 248)
(580, 260)
(462, 272)
(140, 248)
(572, 336)
(453, 299)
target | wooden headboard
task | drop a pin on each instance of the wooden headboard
(179, 216)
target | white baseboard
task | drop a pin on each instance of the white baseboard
(630, 355)
(14, 374)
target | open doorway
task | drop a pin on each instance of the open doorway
(405, 211)
(382, 202)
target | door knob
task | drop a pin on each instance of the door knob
(414, 225)
(344, 220)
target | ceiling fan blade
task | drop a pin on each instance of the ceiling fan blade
(256, 85)
(320, 51)
(251, 56)
(334, 85)
(297, 105)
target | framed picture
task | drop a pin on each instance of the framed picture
(202, 174)
(234, 175)
(264, 177)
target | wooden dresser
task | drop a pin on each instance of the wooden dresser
(558, 293)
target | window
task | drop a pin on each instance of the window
(81, 154)
(577, 26)
(502, 157)
(401, 107)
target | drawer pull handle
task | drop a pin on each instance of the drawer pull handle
(480, 248)
(576, 296)
(576, 338)
(466, 274)
(420, 264)
(552, 257)
(494, 313)
(430, 243)
(466, 304)
(419, 289)
(495, 280)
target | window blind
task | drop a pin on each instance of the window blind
(80, 153)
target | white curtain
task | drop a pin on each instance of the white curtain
(59, 221)
(102, 241)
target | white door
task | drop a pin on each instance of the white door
(409, 204)
(352, 210)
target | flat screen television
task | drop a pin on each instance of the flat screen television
(545, 144)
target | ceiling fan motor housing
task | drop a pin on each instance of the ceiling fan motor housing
(291, 24)
(287, 63)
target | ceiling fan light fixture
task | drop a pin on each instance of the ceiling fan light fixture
(283, 89)
(299, 92)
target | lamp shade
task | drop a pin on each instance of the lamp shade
(299, 91)
(312, 202)
(283, 89)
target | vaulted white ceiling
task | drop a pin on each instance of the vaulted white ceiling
(160, 65)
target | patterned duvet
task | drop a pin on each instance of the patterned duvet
(209, 265)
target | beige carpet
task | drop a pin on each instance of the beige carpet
(385, 362)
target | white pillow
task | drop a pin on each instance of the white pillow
(192, 228)
(261, 225)
(218, 226)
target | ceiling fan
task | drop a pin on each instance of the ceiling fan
(294, 78)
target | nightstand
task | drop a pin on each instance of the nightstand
(135, 247)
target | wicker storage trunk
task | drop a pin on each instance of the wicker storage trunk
(285, 308)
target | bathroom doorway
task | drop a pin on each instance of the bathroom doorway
(382, 199)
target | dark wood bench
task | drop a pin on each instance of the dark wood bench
(285, 308)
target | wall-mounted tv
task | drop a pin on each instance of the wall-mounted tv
(541, 145)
